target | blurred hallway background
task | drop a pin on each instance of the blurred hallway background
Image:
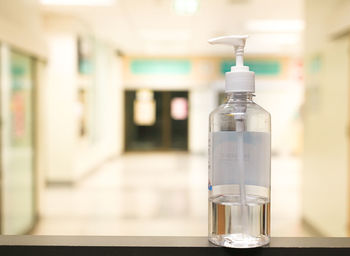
(104, 112)
(159, 194)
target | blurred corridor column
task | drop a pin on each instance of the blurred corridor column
(325, 177)
(61, 94)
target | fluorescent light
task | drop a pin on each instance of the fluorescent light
(165, 49)
(78, 2)
(186, 7)
(165, 35)
(280, 43)
(277, 39)
(276, 25)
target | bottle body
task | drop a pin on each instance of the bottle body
(239, 173)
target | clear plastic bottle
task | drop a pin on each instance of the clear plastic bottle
(239, 161)
(239, 152)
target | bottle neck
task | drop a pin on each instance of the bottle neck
(232, 97)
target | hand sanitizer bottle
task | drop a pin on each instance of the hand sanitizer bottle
(239, 160)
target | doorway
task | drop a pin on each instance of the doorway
(156, 120)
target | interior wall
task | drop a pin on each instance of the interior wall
(20, 26)
(69, 156)
(326, 119)
(283, 99)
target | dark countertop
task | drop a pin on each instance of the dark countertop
(128, 245)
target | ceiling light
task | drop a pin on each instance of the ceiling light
(186, 7)
(78, 2)
(276, 39)
(165, 35)
(280, 43)
(275, 25)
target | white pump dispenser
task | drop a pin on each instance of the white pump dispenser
(240, 79)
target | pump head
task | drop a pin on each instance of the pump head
(240, 79)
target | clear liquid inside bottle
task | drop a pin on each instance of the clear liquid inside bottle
(228, 228)
(239, 173)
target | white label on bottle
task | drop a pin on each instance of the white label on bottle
(233, 151)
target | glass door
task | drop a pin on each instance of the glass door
(17, 147)
(156, 120)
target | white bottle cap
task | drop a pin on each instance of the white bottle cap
(239, 79)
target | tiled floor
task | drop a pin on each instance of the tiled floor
(157, 194)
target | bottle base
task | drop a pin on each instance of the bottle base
(239, 241)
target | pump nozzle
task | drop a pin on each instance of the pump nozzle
(240, 78)
(237, 41)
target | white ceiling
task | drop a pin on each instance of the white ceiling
(151, 27)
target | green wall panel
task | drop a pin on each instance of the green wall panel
(160, 67)
(260, 67)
